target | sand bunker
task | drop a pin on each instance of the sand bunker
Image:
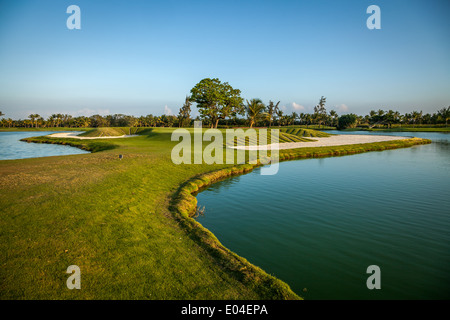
(76, 133)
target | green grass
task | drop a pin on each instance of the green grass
(88, 145)
(126, 224)
(417, 129)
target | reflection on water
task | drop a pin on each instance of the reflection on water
(319, 223)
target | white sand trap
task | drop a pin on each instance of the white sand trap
(76, 133)
(334, 140)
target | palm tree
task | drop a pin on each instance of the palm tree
(320, 112)
(85, 121)
(34, 117)
(280, 116)
(444, 113)
(271, 111)
(294, 117)
(333, 118)
(416, 116)
(185, 113)
(255, 110)
(308, 119)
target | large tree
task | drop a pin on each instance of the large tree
(216, 100)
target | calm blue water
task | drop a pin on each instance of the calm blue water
(319, 223)
(12, 148)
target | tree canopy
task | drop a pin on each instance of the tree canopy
(216, 100)
(347, 121)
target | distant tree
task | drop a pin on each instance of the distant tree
(98, 121)
(150, 120)
(1, 114)
(347, 121)
(416, 117)
(271, 111)
(184, 116)
(333, 118)
(426, 118)
(293, 117)
(255, 111)
(389, 118)
(216, 100)
(308, 119)
(320, 112)
(33, 118)
(85, 121)
(131, 121)
(280, 116)
(444, 113)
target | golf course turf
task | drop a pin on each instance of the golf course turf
(126, 223)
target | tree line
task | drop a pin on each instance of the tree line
(68, 121)
(219, 104)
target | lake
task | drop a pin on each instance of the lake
(12, 148)
(319, 223)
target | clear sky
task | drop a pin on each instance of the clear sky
(140, 57)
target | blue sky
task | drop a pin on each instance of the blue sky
(142, 57)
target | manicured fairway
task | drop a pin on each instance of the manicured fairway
(111, 217)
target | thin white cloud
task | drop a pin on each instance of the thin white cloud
(90, 112)
(297, 107)
(167, 111)
(342, 108)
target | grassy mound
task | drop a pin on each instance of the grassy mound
(302, 132)
(285, 135)
(110, 132)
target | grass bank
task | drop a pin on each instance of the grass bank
(126, 223)
(111, 132)
(403, 129)
(92, 145)
(418, 129)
